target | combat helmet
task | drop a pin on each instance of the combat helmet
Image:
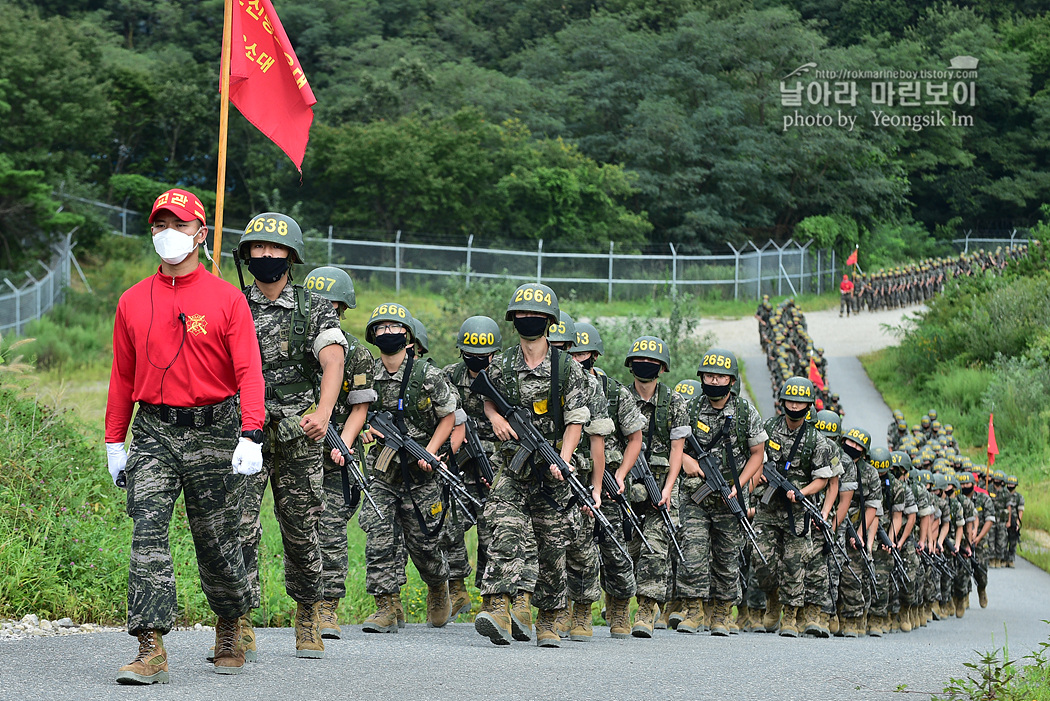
(273, 227)
(332, 283)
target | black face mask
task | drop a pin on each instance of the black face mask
(854, 453)
(645, 370)
(588, 364)
(267, 269)
(391, 343)
(531, 327)
(796, 415)
(967, 490)
(715, 392)
(476, 363)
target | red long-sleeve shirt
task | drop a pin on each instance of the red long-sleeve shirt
(219, 352)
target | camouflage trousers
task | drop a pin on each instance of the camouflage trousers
(295, 472)
(981, 575)
(1000, 548)
(652, 571)
(961, 580)
(453, 534)
(853, 590)
(387, 539)
(519, 511)
(910, 594)
(880, 598)
(1012, 539)
(816, 577)
(616, 571)
(165, 460)
(335, 565)
(786, 552)
(582, 561)
(711, 540)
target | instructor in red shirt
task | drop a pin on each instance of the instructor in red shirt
(845, 294)
(184, 349)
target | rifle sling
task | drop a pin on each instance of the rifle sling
(787, 464)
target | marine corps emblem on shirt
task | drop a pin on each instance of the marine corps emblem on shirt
(197, 324)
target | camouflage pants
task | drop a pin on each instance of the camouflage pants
(786, 553)
(453, 537)
(295, 472)
(981, 575)
(854, 591)
(582, 560)
(816, 578)
(616, 570)
(518, 512)
(165, 460)
(880, 599)
(652, 571)
(388, 538)
(1012, 539)
(910, 594)
(999, 548)
(711, 540)
(335, 564)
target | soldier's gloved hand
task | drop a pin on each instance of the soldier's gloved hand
(117, 459)
(247, 457)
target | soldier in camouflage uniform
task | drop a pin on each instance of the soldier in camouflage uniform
(1001, 499)
(351, 410)
(783, 533)
(529, 495)
(892, 494)
(185, 433)
(860, 502)
(915, 543)
(985, 521)
(622, 447)
(299, 337)
(905, 598)
(1015, 502)
(667, 425)
(479, 342)
(730, 429)
(423, 406)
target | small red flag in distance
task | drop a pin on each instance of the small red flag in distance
(993, 447)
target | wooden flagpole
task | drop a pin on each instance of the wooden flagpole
(224, 122)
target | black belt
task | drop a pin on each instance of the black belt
(197, 417)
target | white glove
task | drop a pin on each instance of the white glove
(247, 457)
(117, 459)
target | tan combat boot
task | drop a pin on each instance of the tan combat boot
(399, 609)
(521, 616)
(853, 627)
(546, 636)
(663, 620)
(675, 613)
(582, 629)
(384, 620)
(874, 629)
(308, 643)
(806, 620)
(485, 602)
(150, 666)
(459, 599)
(329, 615)
(771, 619)
(982, 597)
(645, 617)
(895, 623)
(834, 625)
(720, 613)
(247, 638)
(694, 616)
(229, 655)
(495, 623)
(789, 624)
(743, 618)
(904, 619)
(619, 617)
(563, 622)
(438, 605)
(960, 608)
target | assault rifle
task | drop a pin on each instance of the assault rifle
(862, 548)
(899, 567)
(715, 483)
(612, 491)
(778, 481)
(533, 442)
(932, 562)
(472, 451)
(383, 421)
(349, 469)
(641, 471)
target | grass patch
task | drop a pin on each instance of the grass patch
(995, 676)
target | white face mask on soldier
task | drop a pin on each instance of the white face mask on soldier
(173, 246)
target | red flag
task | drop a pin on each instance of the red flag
(852, 260)
(266, 81)
(814, 375)
(993, 447)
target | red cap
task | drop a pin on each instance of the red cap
(182, 203)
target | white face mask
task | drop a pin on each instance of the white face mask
(173, 246)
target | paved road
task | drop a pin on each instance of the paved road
(456, 663)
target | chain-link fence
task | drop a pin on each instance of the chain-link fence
(34, 296)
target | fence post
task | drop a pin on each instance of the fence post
(1012, 234)
(674, 271)
(831, 271)
(758, 276)
(780, 268)
(820, 282)
(802, 266)
(470, 242)
(50, 289)
(736, 271)
(539, 262)
(329, 244)
(397, 261)
(966, 247)
(610, 270)
(18, 307)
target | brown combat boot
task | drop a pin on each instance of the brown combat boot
(563, 622)
(485, 598)
(247, 637)
(960, 608)
(895, 623)
(150, 666)
(546, 635)
(662, 621)
(806, 620)
(982, 597)
(521, 616)
(308, 643)
(676, 613)
(874, 628)
(399, 609)
(645, 617)
(853, 627)
(459, 598)
(720, 613)
(619, 617)
(694, 616)
(329, 616)
(771, 619)
(229, 655)
(384, 619)
(495, 623)
(834, 625)
(904, 619)
(582, 628)
(789, 623)
(438, 605)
